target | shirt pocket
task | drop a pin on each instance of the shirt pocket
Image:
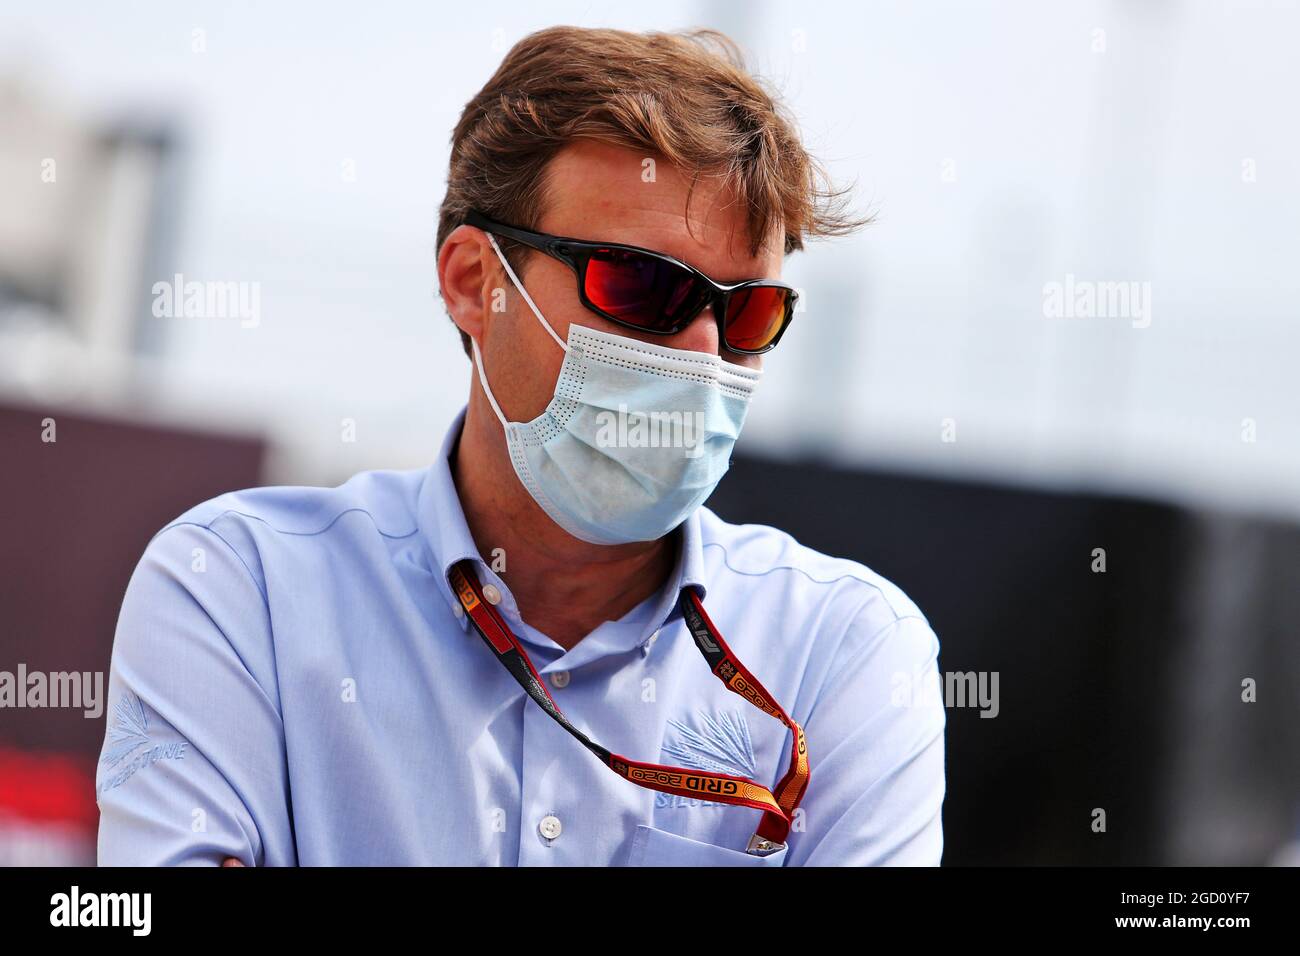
(654, 847)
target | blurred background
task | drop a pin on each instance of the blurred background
(1070, 335)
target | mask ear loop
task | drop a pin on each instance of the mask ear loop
(524, 292)
(482, 380)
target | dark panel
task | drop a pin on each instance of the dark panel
(78, 513)
(1004, 575)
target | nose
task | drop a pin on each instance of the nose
(701, 335)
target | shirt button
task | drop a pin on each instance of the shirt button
(457, 610)
(560, 679)
(491, 594)
(550, 827)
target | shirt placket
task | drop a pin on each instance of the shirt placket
(541, 819)
(542, 838)
(558, 777)
(554, 768)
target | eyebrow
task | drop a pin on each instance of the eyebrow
(541, 241)
(681, 259)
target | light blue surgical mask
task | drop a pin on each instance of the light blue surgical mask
(636, 437)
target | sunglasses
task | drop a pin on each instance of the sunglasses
(652, 292)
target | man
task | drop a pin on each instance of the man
(542, 649)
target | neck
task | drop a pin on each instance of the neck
(564, 587)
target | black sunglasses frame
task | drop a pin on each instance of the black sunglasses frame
(577, 253)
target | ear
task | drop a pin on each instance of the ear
(467, 277)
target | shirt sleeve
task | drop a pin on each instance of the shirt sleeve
(875, 739)
(193, 768)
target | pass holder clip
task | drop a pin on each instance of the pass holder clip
(758, 846)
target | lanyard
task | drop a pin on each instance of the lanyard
(778, 807)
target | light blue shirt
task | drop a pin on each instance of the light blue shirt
(294, 682)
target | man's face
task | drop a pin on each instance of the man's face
(597, 192)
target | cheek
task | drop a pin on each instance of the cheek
(554, 288)
(523, 363)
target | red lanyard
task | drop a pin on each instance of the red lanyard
(778, 807)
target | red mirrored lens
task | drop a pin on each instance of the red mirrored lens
(755, 317)
(643, 291)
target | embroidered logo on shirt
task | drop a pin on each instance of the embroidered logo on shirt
(128, 733)
(717, 742)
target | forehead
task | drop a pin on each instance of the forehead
(613, 194)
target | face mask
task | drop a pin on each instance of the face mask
(636, 437)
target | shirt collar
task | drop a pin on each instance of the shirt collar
(442, 524)
(442, 519)
(688, 572)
